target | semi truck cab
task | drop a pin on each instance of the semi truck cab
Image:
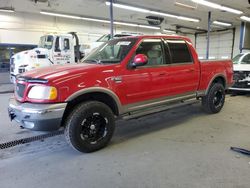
(53, 49)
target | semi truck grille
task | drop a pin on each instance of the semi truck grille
(21, 70)
(41, 56)
(20, 88)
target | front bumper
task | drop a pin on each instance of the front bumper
(40, 117)
(241, 86)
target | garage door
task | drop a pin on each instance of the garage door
(221, 44)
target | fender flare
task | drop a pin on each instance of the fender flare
(100, 90)
(212, 80)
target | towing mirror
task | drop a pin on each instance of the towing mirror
(140, 60)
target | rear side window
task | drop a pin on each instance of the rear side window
(179, 51)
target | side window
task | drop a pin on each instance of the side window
(66, 44)
(153, 50)
(246, 59)
(179, 51)
(57, 45)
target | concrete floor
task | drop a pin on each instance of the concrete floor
(180, 148)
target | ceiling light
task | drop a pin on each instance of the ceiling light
(207, 3)
(148, 27)
(184, 5)
(60, 15)
(97, 20)
(143, 10)
(245, 18)
(217, 6)
(232, 10)
(188, 19)
(7, 10)
(169, 31)
(222, 23)
(126, 24)
(94, 20)
(128, 7)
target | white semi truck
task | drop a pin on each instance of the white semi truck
(53, 49)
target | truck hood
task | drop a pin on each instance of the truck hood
(60, 71)
(33, 52)
(241, 67)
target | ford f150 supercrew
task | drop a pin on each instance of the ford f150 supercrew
(124, 78)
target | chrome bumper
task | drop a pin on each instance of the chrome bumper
(41, 117)
(239, 89)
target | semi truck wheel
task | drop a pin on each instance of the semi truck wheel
(215, 98)
(90, 126)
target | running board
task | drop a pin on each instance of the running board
(153, 110)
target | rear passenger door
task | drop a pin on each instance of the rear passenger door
(183, 73)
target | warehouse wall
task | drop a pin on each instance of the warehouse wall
(26, 28)
(220, 44)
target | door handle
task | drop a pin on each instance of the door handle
(162, 74)
(190, 70)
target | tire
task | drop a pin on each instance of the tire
(214, 100)
(90, 126)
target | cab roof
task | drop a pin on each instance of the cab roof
(160, 36)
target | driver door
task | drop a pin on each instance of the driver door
(149, 81)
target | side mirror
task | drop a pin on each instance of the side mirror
(140, 60)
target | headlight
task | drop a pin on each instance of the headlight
(43, 93)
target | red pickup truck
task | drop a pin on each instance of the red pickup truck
(126, 77)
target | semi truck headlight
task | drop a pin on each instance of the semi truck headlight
(43, 93)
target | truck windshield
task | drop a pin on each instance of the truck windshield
(104, 38)
(236, 59)
(113, 51)
(46, 42)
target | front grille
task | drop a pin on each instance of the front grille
(20, 88)
(41, 56)
(240, 78)
(240, 75)
(21, 70)
(241, 85)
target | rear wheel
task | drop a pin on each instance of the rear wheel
(215, 98)
(90, 126)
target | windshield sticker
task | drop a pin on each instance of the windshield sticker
(123, 43)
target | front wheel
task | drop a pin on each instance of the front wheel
(215, 98)
(90, 126)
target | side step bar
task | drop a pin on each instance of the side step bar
(153, 110)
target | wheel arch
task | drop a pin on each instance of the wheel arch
(103, 95)
(218, 78)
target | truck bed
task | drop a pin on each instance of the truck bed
(212, 68)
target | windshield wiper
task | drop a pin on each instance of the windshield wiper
(98, 61)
